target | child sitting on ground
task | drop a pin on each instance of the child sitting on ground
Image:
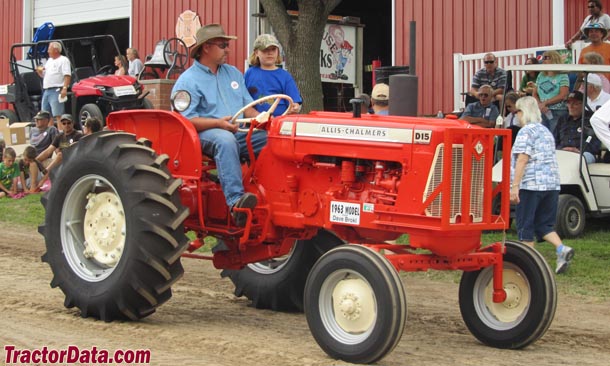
(9, 173)
(32, 171)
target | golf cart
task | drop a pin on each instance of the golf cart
(93, 93)
(585, 188)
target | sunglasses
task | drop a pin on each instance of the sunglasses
(65, 122)
(489, 62)
(221, 45)
(591, 6)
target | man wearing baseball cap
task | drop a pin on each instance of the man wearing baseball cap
(380, 99)
(596, 97)
(67, 137)
(42, 135)
(218, 91)
(569, 130)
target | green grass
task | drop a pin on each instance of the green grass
(27, 211)
(589, 274)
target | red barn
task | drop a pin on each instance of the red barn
(444, 27)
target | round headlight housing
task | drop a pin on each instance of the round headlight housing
(181, 100)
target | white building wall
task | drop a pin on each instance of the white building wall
(66, 12)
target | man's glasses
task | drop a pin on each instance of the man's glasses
(489, 62)
(65, 122)
(484, 95)
(591, 6)
(221, 45)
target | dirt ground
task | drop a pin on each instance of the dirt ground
(204, 324)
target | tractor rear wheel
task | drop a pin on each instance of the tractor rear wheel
(529, 308)
(355, 304)
(113, 227)
(278, 283)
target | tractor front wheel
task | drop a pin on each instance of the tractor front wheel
(529, 307)
(355, 304)
(278, 283)
(113, 227)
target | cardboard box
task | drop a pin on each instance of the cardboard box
(13, 134)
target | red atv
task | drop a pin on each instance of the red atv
(93, 92)
(333, 191)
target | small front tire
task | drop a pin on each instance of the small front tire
(355, 304)
(529, 308)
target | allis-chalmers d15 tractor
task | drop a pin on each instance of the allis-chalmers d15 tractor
(334, 190)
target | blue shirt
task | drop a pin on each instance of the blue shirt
(261, 83)
(541, 171)
(213, 95)
(475, 109)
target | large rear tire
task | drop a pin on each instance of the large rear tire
(278, 284)
(529, 308)
(355, 304)
(113, 227)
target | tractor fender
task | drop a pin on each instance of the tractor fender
(169, 133)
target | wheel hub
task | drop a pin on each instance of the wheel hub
(517, 297)
(354, 305)
(104, 228)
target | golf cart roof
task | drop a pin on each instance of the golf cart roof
(560, 68)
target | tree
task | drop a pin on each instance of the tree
(301, 39)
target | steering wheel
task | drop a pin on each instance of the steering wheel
(105, 70)
(263, 116)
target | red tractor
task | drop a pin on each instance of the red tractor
(333, 189)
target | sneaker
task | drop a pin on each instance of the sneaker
(563, 259)
(248, 200)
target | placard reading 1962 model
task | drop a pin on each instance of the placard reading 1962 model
(345, 213)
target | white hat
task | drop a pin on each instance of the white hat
(381, 91)
(594, 79)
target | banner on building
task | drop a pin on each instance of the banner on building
(338, 54)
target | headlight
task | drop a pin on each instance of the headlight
(181, 100)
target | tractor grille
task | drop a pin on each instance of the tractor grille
(476, 185)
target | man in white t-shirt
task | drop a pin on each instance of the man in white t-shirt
(596, 97)
(56, 75)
